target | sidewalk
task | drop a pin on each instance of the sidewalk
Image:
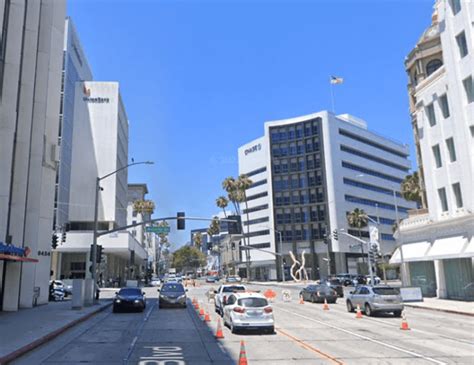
(29, 328)
(441, 305)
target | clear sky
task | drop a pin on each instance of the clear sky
(199, 78)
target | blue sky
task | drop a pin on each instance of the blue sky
(199, 78)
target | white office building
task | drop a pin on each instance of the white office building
(308, 172)
(100, 147)
(437, 241)
(31, 38)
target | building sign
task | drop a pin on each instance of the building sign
(13, 250)
(96, 100)
(252, 149)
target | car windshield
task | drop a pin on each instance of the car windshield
(172, 288)
(130, 291)
(386, 291)
(252, 302)
(230, 289)
(324, 289)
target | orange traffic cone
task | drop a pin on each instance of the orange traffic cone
(207, 318)
(243, 354)
(301, 299)
(404, 325)
(219, 333)
(358, 312)
(196, 305)
(325, 305)
(201, 312)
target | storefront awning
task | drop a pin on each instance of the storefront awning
(411, 252)
(447, 248)
(16, 258)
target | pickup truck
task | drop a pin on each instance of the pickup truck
(221, 295)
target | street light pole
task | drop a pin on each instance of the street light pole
(96, 216)
(281, 257)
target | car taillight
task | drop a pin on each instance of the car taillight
(268, 309)
(239, 310)
(225, 299)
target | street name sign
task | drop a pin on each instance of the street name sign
(159, 230)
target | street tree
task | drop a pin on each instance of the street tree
(358, 219)
(411, 188)
(144, 206)
(188, 258)
(197, 240)
(222, 202)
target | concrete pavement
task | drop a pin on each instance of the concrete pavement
(305, 335)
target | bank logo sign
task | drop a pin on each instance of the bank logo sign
(96, 100)
(252, 149)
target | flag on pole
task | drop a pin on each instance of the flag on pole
(336, 80)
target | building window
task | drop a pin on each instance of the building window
(455, 6)
(373, 158)
(134, 213)
(468, 87)
(437, 156)
(472, 130)
(457, 195)
(451, 149)
(442, 199)
(372, 143)
(255, 209)
(430, 113)
(462, 44)
(444, 106)
(371, 172)
(432, 66)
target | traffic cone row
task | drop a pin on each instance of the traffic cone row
(325, 305)
(219, 333)
(358, 312)
(201, 312)
(207, 318)
(243, 354)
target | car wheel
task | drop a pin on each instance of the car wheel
(232, 328)
(397, 314)
(350, 307)
(313, 298)
(368, 310)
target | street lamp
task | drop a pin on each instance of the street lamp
(96, 213)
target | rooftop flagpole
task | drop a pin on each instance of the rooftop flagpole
(332, 81)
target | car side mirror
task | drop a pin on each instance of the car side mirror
(215, 291)
(143, 293)
(351, 292)
(157, 289)
(116, 292)
(186, 289)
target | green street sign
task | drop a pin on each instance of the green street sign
(158, 230)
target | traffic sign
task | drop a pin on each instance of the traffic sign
(159, 230)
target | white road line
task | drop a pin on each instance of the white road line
(367, 338)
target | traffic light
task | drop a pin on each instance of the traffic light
(63, 237)
(325, 240)
(371, 256)
(99, 254)
(181, 222)
(234, 227)
(232, 245)
(335, 235)
(54, 242)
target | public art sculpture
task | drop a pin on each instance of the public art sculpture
(300, 273)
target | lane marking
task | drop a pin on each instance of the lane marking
(309, 347)
(138, 333)
(393, 347)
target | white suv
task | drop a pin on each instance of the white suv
(223, 293)
(247, 310)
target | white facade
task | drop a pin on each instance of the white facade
(254, 162)
(100, 146)
(438, 243)
(30, 84)
(324, 167)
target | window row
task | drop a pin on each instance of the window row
(451, 152)
(299, 197)
(301, 215)
(255, 172)
(364, 170)
(300, 148)
(298, 182)
(443, 107)
(257, 196)
(443, 199)
(356, 137)
(300, 130)
(257, 233)
(365, 234)
(256, 221)
(373, 203)
(370, 187)
(255, 209)
(373, 158)
(304, 233)
(258, 183)
(301, 164)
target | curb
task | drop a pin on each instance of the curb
(50, 336)
(441, 310)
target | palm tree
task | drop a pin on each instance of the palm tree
(243, 183)
(411, 188)
(144, 206)
(197, 238)
(358, 219)
(222, 203)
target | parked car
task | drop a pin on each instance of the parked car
(155, 282)
(222, 293)
(317, 294)
(336, 285)
(359, 280)
(245, 310)
(129, 299)
(375, 299)
(58, 284)
(172, 295)
(368, 280)
(233, 279)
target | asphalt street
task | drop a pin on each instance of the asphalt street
(305, 334)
